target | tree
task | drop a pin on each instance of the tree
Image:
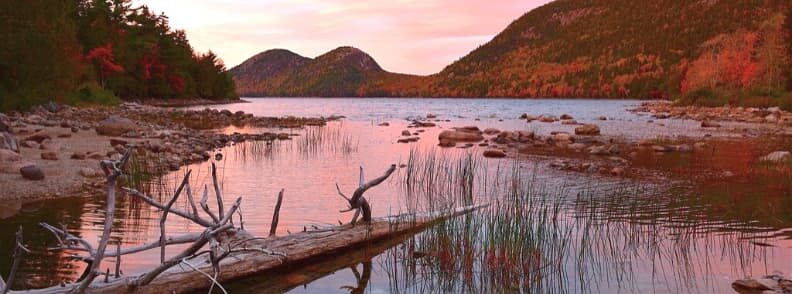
(788, 35)
(103, 61)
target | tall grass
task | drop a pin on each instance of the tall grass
(316, 140)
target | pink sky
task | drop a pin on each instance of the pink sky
(407, 36)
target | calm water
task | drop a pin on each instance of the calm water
(623, 236)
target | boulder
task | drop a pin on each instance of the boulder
(405, 133)
(587, 130)
(602, 118)
(115, 126)
(384, 124)
(446, 143)
(118, 142)
(461, 135)
(32, 172)
(562, 137)
(777, 157)
(38, 137)
(566, 117)
(430, 115)
(49, 156)
(30, 144)
(547, 119)
(494, 153)
(569, 122)
(710, 124)
(8, 141)
(599, 150)
(491, 131)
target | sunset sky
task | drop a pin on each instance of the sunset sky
(407, 36)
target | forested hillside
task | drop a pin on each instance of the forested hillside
(705, 52)
(95, 51)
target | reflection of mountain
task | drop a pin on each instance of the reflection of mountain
(573, 48)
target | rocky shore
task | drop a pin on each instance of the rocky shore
(770, 116)
(53, 151)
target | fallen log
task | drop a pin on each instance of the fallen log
(254, 255)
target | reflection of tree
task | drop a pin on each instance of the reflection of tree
(362, 280)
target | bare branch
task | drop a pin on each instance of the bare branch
(161, 206)
(19, 251)
(340, 193)
(205, 206)
(67, 241)
(113, 169)
(276, 214)
(192, 201)
(217, 192)
(118, 260)
(167, 209)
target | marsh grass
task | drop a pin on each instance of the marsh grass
(537, 236)
(319, 140)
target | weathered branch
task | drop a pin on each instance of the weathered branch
(19, 251)
(218, 194)
(167, 209)
(161, 206)
(113, 169)
(66, 239)
(205, 206)
(358, 202)
(276, 214)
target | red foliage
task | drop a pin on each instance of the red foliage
(151, 66)
(103, 58)
(176, 83)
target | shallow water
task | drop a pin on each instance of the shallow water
(682, 236)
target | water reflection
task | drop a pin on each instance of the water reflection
(550, 231)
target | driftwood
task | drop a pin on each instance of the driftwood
(222, 251)
(280, 251)
(16, 257)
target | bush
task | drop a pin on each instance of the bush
(92, 94)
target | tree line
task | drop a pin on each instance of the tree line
(97, 51)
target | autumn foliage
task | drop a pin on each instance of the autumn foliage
(94, 51)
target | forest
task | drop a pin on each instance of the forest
(98, 52)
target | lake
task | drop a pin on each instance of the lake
(588, 233)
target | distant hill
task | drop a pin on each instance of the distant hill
(573, 48)
(344, 71)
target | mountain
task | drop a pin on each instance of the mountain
(577, 48)
(344, 71)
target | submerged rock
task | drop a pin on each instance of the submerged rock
(494, 153)
(461, 135)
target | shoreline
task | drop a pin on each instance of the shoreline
(67, 144)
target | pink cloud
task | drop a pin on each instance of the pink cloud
(409, 36)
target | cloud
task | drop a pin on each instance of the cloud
(409, 36)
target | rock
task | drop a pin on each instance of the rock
(774, 109)
(38, 137)
(52, 107)
(10, 161)
(118, 142)
(461, 135)
(710, 124)
(283, 136)
(701, 145)
(599, 150)
(430, 115)
(406, 133)
(4, 127)
(32, 172)
(771, 118)
(491, 131)
(587, 130)
(88, 172)
(547, 119)
(96, 156)
(384, 124)
(77, 156)
(408, 140)
(569, 122)
(115, 126)
(446, 143)
(755, 284)
(617, 171)
(577, 146)
(777, 157)
(614, 149)
(494, 153)
(49, 156)
(660, 148)
(30, 144)
(8, 141)
(566, 116)
(602, 118)
(562, 137)
(684, 148)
